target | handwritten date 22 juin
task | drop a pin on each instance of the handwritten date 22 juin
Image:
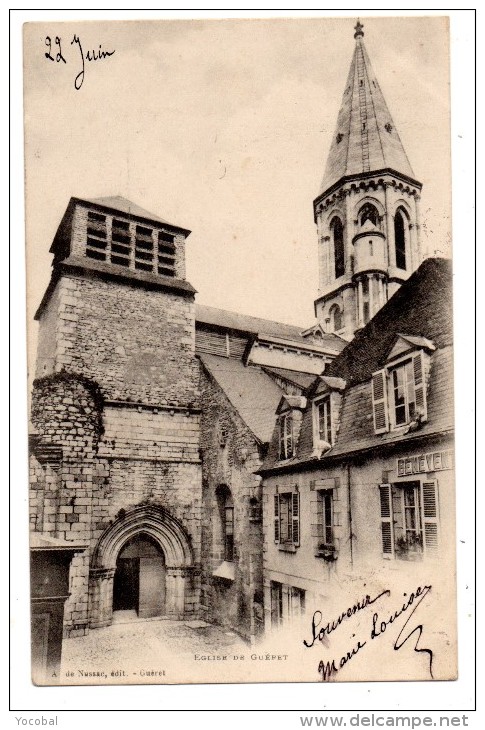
(56, 55)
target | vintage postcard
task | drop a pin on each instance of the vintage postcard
(241, 350)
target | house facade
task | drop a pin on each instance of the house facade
(364, 494)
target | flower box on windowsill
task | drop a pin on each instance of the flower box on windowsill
(287, 547)
(327, 552)
(409, 549)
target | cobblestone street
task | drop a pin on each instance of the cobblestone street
(140, 651)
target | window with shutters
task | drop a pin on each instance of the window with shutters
(287, 519)
(403, 393)
(409, 519)
(286, 441)
(399, 393)
(323, 524)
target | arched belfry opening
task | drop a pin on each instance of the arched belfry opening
(142, 563)
(401, 236)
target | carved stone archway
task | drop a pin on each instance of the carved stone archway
(168, 533)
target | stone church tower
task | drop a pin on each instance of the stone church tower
(115, 459)
(367, 211)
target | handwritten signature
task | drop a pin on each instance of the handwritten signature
(348, 613)
(90, 55)
(379, 626)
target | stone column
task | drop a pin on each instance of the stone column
(381, 291)
(391, 249)
(175, 592)
(411, 248)
(360, 304)
(349, 233)
(101, 597)
(321, 253)
(371, 296)
(417, 198)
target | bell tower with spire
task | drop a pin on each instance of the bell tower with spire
(367, 211)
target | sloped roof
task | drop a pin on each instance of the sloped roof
(244, 322)
(421, 307)
(366, 138)
(253, 393)
(122, 205)
(357, 425)
(302, 380)
(215, 317)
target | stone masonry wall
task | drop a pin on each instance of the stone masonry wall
(83, 478)
(137, 344)
(230, 456)
(67, 418)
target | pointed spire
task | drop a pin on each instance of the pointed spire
(366, 138)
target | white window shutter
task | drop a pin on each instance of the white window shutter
(387, 522)
(277, 518)
(379, 401)
(429, 509)
(295, 517)
(420, 384)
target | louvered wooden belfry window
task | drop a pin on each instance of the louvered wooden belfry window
(134, 246)
(96, 239)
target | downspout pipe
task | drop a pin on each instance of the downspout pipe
(349, 512)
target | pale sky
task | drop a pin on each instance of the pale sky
(223, 127)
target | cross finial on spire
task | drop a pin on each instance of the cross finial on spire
(359, 33)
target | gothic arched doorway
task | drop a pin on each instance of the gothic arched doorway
(164, 583)
(139, 580)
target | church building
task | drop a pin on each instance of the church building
(367, 210)
(168, 437)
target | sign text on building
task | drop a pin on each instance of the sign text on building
(423, 463)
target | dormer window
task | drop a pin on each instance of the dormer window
(286, 441)
(403, 393)
(399, 390)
